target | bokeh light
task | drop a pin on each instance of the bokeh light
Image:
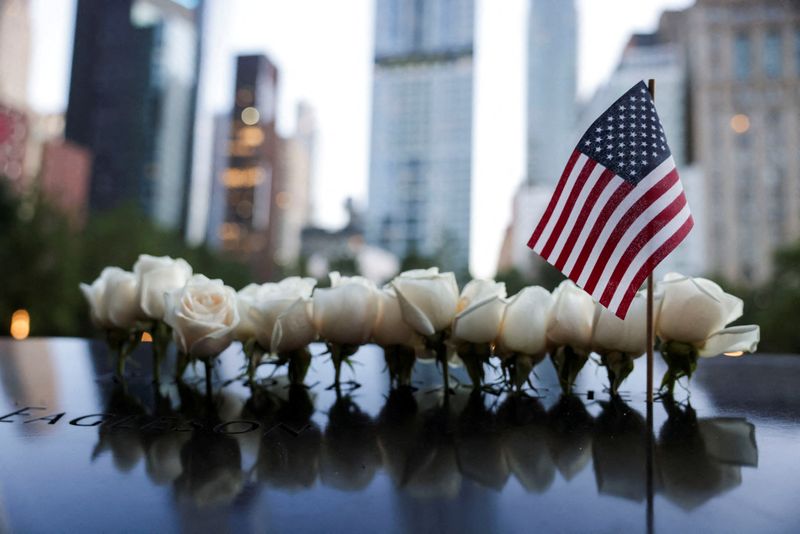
(740, 123)
(20, 324)
(250, 116)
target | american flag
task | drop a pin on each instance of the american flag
(619, 207)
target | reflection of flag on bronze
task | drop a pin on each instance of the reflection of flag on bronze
(619, 208)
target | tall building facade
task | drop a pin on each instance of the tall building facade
(15, 43)
(294, 198)
(244, 213)
(745, 69)
(131, 102)
(13, 140)
(421, 146)
(552, 82)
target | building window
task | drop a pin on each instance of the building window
(742, 56)
(773, 54)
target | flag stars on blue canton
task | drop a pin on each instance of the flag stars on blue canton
(628, 138)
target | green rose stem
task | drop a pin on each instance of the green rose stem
(123, 342)
(339, 354)
(618, 366)
(253, 353)
(400, 362)
(209, 367)
(474, 355)
(568, 363)
(437, 344)
(681, 361)
(299, 362)
(161, 334)
(517, 368)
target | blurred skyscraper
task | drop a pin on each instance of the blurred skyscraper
(420, 168)
(132, 100)
(14, 62)
(13, 139)
(244, 215)
(744, 58)
(294, 199)
(14, 52)
(551, 114)
(552, 82)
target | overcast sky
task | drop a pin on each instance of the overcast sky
(324, 51)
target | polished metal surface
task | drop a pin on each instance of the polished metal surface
(81, 452)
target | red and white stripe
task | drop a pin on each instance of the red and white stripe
(607, 234)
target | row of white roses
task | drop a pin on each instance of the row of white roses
(206, 315)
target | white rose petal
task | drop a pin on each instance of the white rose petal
(345, 313)
(294, 328)
(120, 299)
(694, 308)
(427, 299)
(389, 327)
(696, 311)
(260, 305)
(203, 315)
(156, 276)
(246, 298)
(572, 316)
(735, 339)
(611, 333)
(94, 296)
(480, 310)
(524, 326)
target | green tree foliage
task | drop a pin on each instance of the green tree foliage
(775, 305)
(42, 260)
(514, 280)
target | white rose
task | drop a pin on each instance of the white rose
(523, 329)
(112, 299)
(345, 313)
(157, 276)
(696, 310)
(203, 316)
(294, 328)
(627, 335)
(428, 299)
(94, 294)
(479, 311)
(390, 328)
(260, 305)
(571, 318)
(246, 299)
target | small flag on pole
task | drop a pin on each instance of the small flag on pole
(619, 207)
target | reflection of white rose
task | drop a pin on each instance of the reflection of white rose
(479, 311)
(389, 327)
(345, 312)
(627, 335)
(260, 305)
(203, 316)
(523, 329)
(571, 317)
(163, 456)
(156, 276)
(427, 298)
(113, 299)
(696, 310)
